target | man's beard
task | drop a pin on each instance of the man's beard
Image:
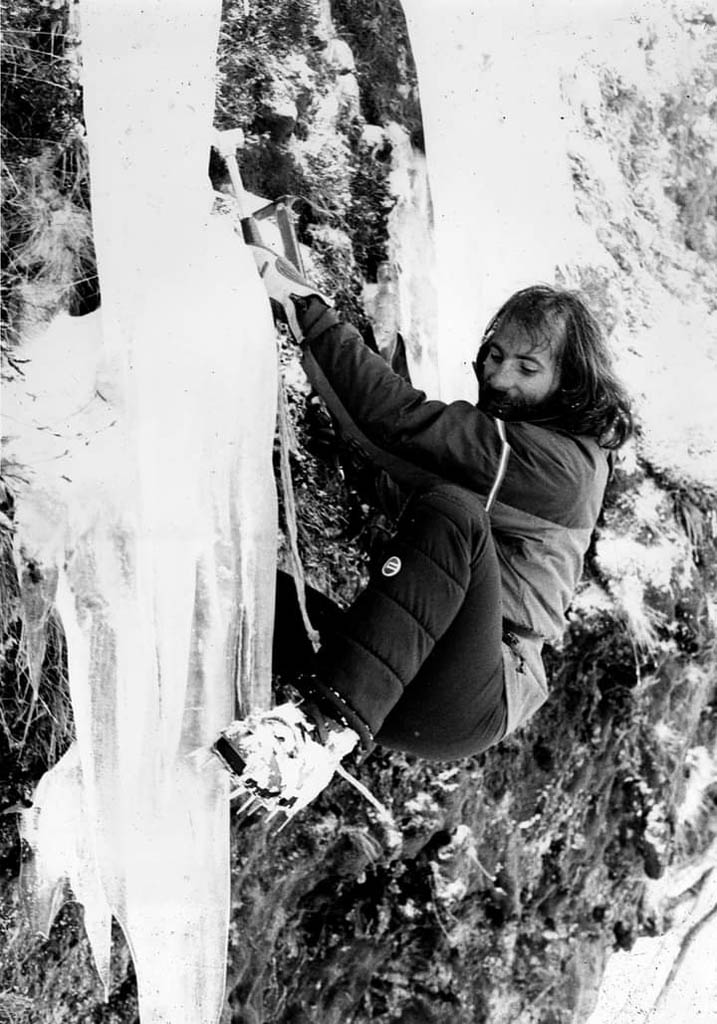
(497, 404)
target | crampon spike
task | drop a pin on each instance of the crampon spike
(249, 806)
(289, 815)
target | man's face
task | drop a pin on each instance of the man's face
(518, 378)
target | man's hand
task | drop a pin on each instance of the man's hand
(284, 283)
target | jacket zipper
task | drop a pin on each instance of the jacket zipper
(502, 464)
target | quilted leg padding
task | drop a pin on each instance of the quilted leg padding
(412, 597)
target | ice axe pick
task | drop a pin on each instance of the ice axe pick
(226, 144)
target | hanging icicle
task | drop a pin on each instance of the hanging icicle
(155, 506)
(495, 149)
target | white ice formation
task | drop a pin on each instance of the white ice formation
(502, 204)
(147, 432)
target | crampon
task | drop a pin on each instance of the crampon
(278, 764)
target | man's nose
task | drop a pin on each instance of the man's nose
(502, 378)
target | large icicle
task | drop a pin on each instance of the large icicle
(147, 430)
(411, 248)
(495, 145)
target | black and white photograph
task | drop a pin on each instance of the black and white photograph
(358, 512)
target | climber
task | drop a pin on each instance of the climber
(440, 655)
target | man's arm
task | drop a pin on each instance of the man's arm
(388, 410)
(548, 471)
(377, 398)
(456, 441)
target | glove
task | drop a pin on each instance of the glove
(284, 283)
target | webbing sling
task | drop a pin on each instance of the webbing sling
(403, 472)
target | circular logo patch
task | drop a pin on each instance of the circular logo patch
(391, 566)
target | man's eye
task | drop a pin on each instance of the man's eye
(495, 355)
(529, 371)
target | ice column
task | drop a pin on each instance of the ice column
(411, 248)
(155, 511)
(496, 148)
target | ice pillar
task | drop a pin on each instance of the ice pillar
(489, 82)
(156, 509)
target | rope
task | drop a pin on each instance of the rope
(287, 444)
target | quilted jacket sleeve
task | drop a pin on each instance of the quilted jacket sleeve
(455, 440)
(550, 474)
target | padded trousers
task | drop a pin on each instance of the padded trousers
(417, 658)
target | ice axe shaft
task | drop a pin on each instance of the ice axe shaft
(226, 144)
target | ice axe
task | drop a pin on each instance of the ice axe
(226, 144)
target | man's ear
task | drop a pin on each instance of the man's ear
(480, 359)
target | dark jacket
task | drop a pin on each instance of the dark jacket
(542, 513)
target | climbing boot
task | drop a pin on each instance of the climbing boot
(277, 761)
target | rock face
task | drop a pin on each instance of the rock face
(510, 878)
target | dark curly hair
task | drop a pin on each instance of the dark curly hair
(591, 400)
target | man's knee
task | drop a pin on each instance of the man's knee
(449, 508)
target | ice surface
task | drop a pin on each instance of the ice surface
(492, 79)
(412, 252)
(495, 146)
(670, 977)
(147, 433)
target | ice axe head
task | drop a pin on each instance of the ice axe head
(226, 144)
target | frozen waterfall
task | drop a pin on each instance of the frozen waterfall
(504, 217)
(147, 432)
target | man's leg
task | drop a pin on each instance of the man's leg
(456, 706)
(292, 652)
(416, 661)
